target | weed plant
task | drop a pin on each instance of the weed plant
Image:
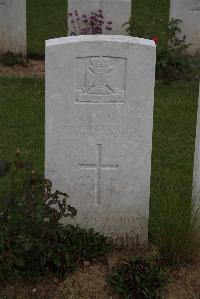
(137, 278)
(32, 239)
(173, 61)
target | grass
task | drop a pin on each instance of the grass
(173, 139)
(22, 119)
(45, 20)
(152, 16)
(172, 171)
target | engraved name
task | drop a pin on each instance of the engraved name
(106, 132)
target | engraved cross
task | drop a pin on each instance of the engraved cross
(99, 167)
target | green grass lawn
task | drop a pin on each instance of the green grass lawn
(22, 119)
(173, 143)
(22, 125)
(150, 17)
(46, 21)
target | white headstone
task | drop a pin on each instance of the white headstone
(99, 119)
(196, 180)
(117, 11)
(13, 26)
(189, 12)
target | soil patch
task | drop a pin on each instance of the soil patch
(44, 288)
(34, 68)
(89, 282)
(184, 283)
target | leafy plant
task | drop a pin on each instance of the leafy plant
(133, 29)
(137, 278)
(11, 59)
(173, 62)
(88, 24)
(32, 239)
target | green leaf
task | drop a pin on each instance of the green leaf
(4, 167)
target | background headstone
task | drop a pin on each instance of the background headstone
(117, 11)
(189, 12)
(13, 26)
(99, 119)
(196, 180)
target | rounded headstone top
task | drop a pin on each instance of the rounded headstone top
(100, 38)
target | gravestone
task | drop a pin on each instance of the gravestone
(189, 12)
(99, 118)
(196, 179)
(13, 26)
(117, 11)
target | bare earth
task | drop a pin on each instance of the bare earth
(184, 283)
(89, 282)
(34, 68)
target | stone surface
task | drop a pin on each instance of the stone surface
(117, 11)
(13, 26)
(99, 118)
(189, 12)
(196, 179)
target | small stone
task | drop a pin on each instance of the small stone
(86, 263)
